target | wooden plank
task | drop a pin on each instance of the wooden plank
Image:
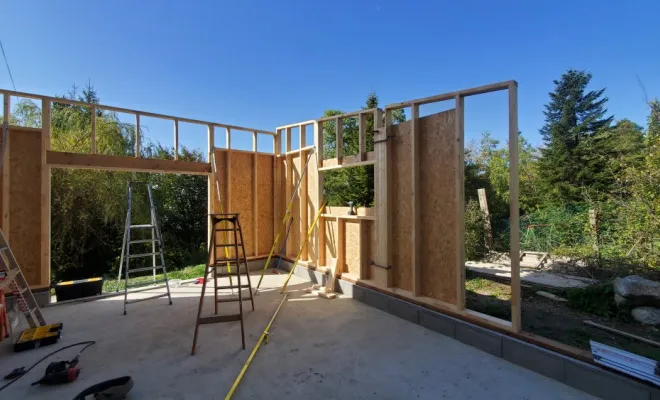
(483, 204)
(341, 248)
(176, 138)
(287, 144)
(93, 135)
(514, 209)
(210, 184)
(452, 95)
(227, 207)
(459, 135)
(288, 192)
(348, 165)
(138, 139)
(362, 137)
(255, 197)
(416, 202)
(304, 222)
(45, 191)
(319, 230)
(348, 114)
(382, 173)
(265, 210)
(339, 131)
(277, 184)
(120, 163)
(302, 136)
(364, 250)
(5, 167)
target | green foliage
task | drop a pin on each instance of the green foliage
(475, 233)
(572, 116)
(596, 299)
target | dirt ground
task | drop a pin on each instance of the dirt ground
(556, 320)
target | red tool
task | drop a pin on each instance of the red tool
(59, 372)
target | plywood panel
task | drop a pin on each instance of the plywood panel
(25, 201)
(353, 247)
(295, 236)
(437, 153)
(331, 237)
(265, 195)
(401, 206)
(241, 165)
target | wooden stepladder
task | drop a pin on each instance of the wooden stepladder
(235, 262)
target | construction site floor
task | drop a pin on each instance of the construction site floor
(318, 348)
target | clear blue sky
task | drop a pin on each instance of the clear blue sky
(268, 63)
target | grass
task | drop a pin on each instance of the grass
(488, 288)
(190, 272)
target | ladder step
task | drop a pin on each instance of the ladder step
(226, 230)
(130, 271)
(220, 318)
(142, 284)
(229, 245)
(228, 274)
(229, 260)
(143, 226)
(232, 287)
(143, 241)
(233, 299)
(142, 255)
(146, 298)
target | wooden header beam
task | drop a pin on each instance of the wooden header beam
(120, 163)
(449, 96)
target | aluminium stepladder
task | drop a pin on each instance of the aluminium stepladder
(14, 279)
(157, 251)
(225, 222)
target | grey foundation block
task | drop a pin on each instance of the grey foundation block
(586, 377)
(533, 357)
(481, 338)
(438, 322)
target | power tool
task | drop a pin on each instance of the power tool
(59, 372)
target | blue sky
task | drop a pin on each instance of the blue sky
(268, 63)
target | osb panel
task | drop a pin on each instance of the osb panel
(372, 246)
(220, 157)
(279, 193)
(437, 153)
(295, 236)
(331, 236)
(25, 201)
(312, 204)
(353, 246)
(240, 175)
(401, 206)
(265, 202)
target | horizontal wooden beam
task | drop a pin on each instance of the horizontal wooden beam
(130, 111)
(119, 163)
(297, 124)
(351, 165)
(347, 115)
(449, 96)
(348, 161)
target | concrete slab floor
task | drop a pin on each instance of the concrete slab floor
(318, 348)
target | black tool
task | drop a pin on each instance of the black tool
(59, 372)
(113, 389)
(16, 373)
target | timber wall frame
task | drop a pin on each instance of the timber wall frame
(376, 263)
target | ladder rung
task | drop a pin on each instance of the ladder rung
(143, 241)
(142, 284)
(142, 255)
(226, 230)
(146, 298)
(229, 245)
(232, 287)
(143, 226)
(233, 299)
(220, 318)
(227, 274)
(130, 271)
(229, 260)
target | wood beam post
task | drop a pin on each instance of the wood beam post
(416, 203)
(277, 184)
(5, 167)
(364, 249)
(138, 139)
(210, 184)
(341, 248)
(319, 230)
(176, 139)
(304, 222)
(287, 144)
(288, 192)
(228, 171)
(339, 130)
(514, 209)
(381, 272)
(45, 193)
(93, 135)
(302, 136)
(459, 133)
(255, 197)
(362, 137)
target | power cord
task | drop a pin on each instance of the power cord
(20, 372)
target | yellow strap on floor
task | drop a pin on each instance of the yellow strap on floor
(309, 233)
(264, 335)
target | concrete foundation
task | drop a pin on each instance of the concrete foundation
(331, 348)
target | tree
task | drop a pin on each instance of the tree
(572, 116)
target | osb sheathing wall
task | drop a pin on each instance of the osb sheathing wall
(437, 188)
(21, 202)
(238, 178)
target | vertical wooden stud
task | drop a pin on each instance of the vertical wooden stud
(364, 249)
(319, 230)
(277, 184)
(255, 197)
(416, 203)
(382, 273)
(288, 193)
(514, 209)
(228, 171)
(92, 138)
(362, 137)
(138, 139)
(341, 247)
(302, 136)
(459, 133)
(176, 139)
(210, 183)
(5, 167)
(287, 144)
(45, 193)
(339, 129)
(303, 205)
